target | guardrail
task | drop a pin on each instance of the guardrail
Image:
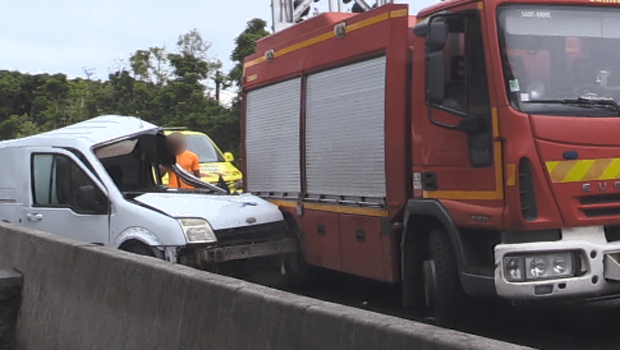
(81, 296)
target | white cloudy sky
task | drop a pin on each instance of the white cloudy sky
(66, 35)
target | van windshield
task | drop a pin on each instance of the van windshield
(555, 58)
(134, 167)
(203, 148)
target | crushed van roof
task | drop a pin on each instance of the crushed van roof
(94, 131)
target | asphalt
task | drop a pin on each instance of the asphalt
(590, 326)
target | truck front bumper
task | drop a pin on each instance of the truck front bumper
(597, 272)
(238, 252)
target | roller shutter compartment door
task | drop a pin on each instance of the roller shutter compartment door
(345, 112)
(272, 138)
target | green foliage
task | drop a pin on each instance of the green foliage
(165, 88)
(245, 46)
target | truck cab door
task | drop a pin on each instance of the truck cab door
(66, 198)
(462, 149)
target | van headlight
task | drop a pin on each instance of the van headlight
(540, 266)
(197, 230)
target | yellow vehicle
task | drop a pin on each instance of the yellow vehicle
(213, 163)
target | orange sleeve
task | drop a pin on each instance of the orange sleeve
(195, 163)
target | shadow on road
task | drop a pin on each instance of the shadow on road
(590, 326)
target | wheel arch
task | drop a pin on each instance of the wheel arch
(421, 216)
(139, 234)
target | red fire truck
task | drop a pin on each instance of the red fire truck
(470, 151)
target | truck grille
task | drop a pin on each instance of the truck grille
(600, 205)
(251, 234)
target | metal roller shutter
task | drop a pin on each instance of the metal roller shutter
(272, 138)
(345, 111)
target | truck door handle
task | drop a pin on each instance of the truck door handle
(34, 216)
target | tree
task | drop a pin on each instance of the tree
(166, 88)
(140, 63)
(245, 46)
(51, 100)
(160, 68)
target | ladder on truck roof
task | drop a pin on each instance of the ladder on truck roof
(285, 13)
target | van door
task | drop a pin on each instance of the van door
(66, 198)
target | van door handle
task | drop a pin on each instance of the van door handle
(34, 216)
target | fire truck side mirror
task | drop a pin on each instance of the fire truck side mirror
(435, 92)
(436, 36)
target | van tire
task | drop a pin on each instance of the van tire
(442, 286)
(297, 271)
(138, 248)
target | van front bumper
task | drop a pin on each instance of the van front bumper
(596, 267)
(217, 254)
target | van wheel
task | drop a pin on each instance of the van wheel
(294, 268)
(296, 271)
(137, 248)
(442, 286)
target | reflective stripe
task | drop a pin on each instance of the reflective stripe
(342, 209)
(583, 170)
(329, 35)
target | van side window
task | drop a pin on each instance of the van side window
(56, 182)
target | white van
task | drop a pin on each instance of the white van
(98, 181)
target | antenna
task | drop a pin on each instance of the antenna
(286, 13)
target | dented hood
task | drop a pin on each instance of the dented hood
(222, 212)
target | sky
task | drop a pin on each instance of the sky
(67, 36)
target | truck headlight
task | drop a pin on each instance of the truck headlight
(540, 266)
(197, 230)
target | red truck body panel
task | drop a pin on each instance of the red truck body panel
(484, 199)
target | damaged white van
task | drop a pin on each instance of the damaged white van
(98, 181)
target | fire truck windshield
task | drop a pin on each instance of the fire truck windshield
(552, 56)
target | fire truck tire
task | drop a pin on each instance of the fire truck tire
(442, 287)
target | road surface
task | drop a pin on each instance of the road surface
(590, 326)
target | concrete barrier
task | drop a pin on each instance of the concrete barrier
(11, 283)
(80, 296)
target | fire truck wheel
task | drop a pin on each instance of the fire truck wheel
(442, 287)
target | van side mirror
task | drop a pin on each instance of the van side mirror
(229, 157)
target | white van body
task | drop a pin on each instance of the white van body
(52, 178)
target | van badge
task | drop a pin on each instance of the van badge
(245, 204)
(250, 220)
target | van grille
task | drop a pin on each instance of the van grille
(252, 234)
